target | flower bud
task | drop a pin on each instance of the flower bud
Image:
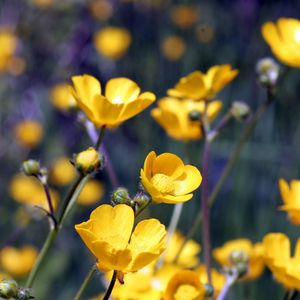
(268, 71)
(240, 110)
(242, 269)
(195, 115)
(120, 196)
(209, 291)
(142, 199)
(238, 256)
(8, 288)
(87, 161)
(31, 167)
(24, 294)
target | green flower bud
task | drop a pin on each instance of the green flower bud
(268, 71)
(8, 288)
(238, 256)
(31, 167)
(195, 115)
(242, 269)
(88, 161)
(240, 110)
(24, 294)
(209, 291)
(120, 196)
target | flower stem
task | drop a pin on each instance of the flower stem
(111, 286)
(228, 284)
(100, 138)
(50, 204)
(85, 282)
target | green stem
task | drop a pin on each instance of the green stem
(50, 204)
(101, 137)
(111, 286)
(85, 282)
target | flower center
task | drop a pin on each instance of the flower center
(163, 183)
(117, 100)
(186, 291)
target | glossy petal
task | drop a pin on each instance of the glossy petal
(168, 164)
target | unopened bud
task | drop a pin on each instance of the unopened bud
(195, 115)
(268, 71)
(242, 269)
(24, 294)
(8, 288)
(240, 110)
(31, 167)
(120, 196)
(209, 291)
(238, 256)
(87, 161)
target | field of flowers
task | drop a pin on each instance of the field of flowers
(149, 150)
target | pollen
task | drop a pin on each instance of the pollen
(163, 183)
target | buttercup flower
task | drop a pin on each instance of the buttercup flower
(92, 192)
(62, 98)
(173, 115)
(173, 47)
(167, 179)
(291, 199)
(122, 99)
(284, 40)
(107, 234)
(112, 42)
(253, 253)
(184, 16)
(62, 172)
(8, 45)
(88, 160)
(18, 262)
(200, 86)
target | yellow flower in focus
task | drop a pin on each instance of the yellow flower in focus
(254, 254)
(29, 133)
(168, 180)
(284, 40)
(62, 172)
(173, 47)
(200, 86)
(108, 235)
(291, 199)
(186, 285)
(18, 262)
(184, 16)
(28, 190)
(91, 193)
(188, 257)
(62, 98)
(122, 99)
(173, 116)
(88, 160)
(8, 45)
(112, 42)
(277, 256)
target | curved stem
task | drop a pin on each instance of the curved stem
(85, 283)
(111, 286)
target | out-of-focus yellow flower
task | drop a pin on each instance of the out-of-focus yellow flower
(205, 33)
(29, 133)
(18, 262)
(254, 254)
(277, 256)
(284, 40)
(291, 199)
(184, 16)
(101, 9)
(42, 3)
(62, 98)
(16, 65)
(122, 99)
(173, 47)
(92, 192)
(167, 179)
(188, 257)
(4, 276)
(28, 190)
(185, 284)
(200, 86)
(8, 45)
(88, 160)
(108, 235)
(172, 115)
(62, 172)
(112, 42)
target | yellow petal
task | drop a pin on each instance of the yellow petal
(148, 164)
(284, 190)
(149, 187)
(168, 164)
(174, 199)
(277, 246)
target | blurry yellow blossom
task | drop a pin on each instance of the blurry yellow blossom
(185, 284)
(284, 40)
(62, 98)
(277, 256)
(122, 99)
(200, 86)
(184, 16)
(173, 47)
(4, 276)
(18, 262)
(253, 253)
(92, 192)
(291, 199)
(205, 33)
(16, 65)
(101, 9)
(42, 3)
(8, 45)
(62, 172)
(172, 115)
(28, 190)
(108, 235)
(29, 133)
(112, 42)
(167, 179)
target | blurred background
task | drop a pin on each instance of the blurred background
(153, 42)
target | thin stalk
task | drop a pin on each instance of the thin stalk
(50, 205)
(228, 284)
(111, 286)
(85, 283)
(100, 138)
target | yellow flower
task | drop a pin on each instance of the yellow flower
(108, 235)
(284, 40)
(291, 199)
(186, 285)
(29, 133)
(18, 262)
(254, 253)
(200, 86)
(8, 45)
(277, 256)
(112, 42)
(42, 3)
(167, 179)
(62, 172)
(173, 47)
(121, 102)
(62, 98)
(100, 9)
(28, 190)
(173, 115)
(88, 160)
(184, 16)
(189, 255)
(92, 192)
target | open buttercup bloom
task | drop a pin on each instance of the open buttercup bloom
(290, 194)
(172, 115)
(168, 180)
(199, 86)
(108, 235)
(277, 257)
(121, 101)
(284, 39)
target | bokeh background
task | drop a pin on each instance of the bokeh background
(167, 40)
